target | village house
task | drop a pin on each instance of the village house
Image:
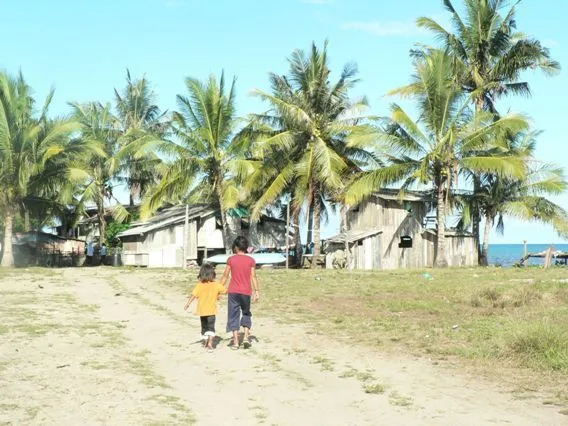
(390, 231)
(159, 241)
(44, 249)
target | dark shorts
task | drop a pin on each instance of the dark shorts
(238, 312)
(207, 326)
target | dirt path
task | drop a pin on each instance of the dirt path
(127, 354)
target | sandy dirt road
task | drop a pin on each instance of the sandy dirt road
(107, 346)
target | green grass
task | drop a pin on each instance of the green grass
(518, 316)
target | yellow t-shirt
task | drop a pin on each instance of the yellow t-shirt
(207, 294)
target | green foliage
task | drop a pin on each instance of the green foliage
(302, 139)
(113, 229)
(32, 148)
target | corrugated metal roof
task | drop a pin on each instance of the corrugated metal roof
(167, 217)
(354, 235)
(407, 195)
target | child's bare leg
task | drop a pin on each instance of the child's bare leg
(236, 337)
(210, 342)
(247, 333)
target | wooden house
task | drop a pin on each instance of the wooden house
(159, 241)
(391, 231)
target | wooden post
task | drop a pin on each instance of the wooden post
(185, 229)
(525, 248)
(287, 232)
(548, 257)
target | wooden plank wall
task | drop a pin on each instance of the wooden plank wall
(395, 221)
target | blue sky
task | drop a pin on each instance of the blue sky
(83, 48)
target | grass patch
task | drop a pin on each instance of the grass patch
(362, 376)
(478, 314)
(181, 412)
(139, 365)
(375, 388)
(325, 363)
(400, 400)
(541, 345)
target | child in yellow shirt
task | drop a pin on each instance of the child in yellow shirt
(207, 293)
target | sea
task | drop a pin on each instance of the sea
(510, 254)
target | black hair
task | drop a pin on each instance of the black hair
(207, 272)
(240, 244)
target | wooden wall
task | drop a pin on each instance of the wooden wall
(396, 219)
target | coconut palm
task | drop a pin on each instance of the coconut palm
(100, 131)
(28, 143)
(208, 155)
(447, 139)
(309, 120)
(485, 43)
(139, 118)
(525, 198)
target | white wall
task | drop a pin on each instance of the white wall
(209, 236)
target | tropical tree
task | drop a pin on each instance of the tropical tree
(305, 131)
(139, 118)
(207, 158)
(525, 198)
(484, 42)
(100, 131)
(446, 140)
(28, 143)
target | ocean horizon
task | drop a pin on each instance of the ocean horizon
(510, 254)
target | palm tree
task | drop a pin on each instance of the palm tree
(28, 142)
(525, 198)
(100, 132)
(306, 128)
(139, 117)
(208, 155)
(485, 43)
(434, 150)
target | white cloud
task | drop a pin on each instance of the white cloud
(384, 29)
(549, 42)
(317, 1)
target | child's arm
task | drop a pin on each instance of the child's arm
(255, 284)
(225, 276)
(191, 299)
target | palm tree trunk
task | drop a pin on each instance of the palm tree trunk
(484, 258)
(475, 211)
(27, 226)
(344, 230)
(476, 216)
(441, 260)
(297, 240)
(317, 234)
(224, 223)
(8, 256)
(309, 236)
(101, 214)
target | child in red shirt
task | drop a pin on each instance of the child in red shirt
(241, 268)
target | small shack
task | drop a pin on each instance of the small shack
(159, 241)
(393, 230)
(44, 249)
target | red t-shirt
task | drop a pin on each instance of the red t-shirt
(241, 265)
